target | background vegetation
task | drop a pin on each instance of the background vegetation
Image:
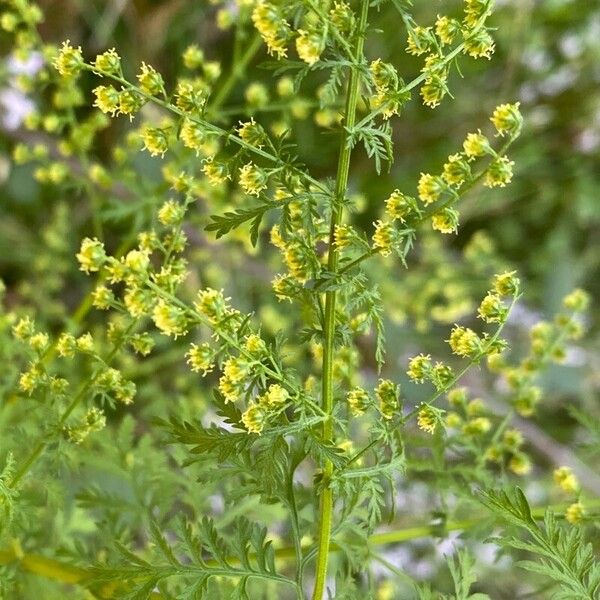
(546, 225)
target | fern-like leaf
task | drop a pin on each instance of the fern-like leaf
(563, 555)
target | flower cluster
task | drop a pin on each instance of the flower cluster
(272, 26)
(399, 206)
(69, 61)
(390, 95)
(266, 406)
(310, 37)
(457, 175)
(358, 401)
(465, 342)
(94, 420)
(567, 481)
(387, 394)
(421, 369)
(547, 344)
(107, 382)
(428, 418)
(385, 237)
(476, 42)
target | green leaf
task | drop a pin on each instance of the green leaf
(223, 224)
(563, 555)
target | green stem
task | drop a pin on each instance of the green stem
(236, 72)
(296, 535)
(326, 501)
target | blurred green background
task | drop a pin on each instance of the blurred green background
(546, 223)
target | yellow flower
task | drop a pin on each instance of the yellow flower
(255, 345)
(492, 310)
(433, 91)
(91, 256)
(506, 284)
(275, 397)
(69, 61)
(137, 261)
(427, 419)
(107, 99)
(477, 426)
(215, 172)
(257, 95)
(171, 212)
(446, 29)
(499, 173)
(575, 513)
(200, 358)
(464, 341)
(298, 261)
(235, 369)
(309, 45)
(519, 464)
(192, 135)
(399, 206)
(419, 368)
(430, 188)
(384, 75)
(457, 396)
(212, 304)
(230, 390)
(566, 479)
(445, 221)
(24, 329)
(252, 179)
(512, 439)
(578, 300)
(476, 144)
(343, 236)
(507, 119)
(252, 133)
(85, 343)
(480, 45)
(155, 140)
(273, 28)
(388, 395)
(254, 418)
(151, 82)
(342, 17)
(419, 40)
(193, 57)
(456, 170)
(453, 420)
(358, 401)
(526, 400)
(169, 319)
(138, 301)
(108, 62)
(66, 345)
(384, 237)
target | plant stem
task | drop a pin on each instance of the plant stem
(326, 501)
(236, 71)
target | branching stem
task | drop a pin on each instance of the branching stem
(326, 500)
